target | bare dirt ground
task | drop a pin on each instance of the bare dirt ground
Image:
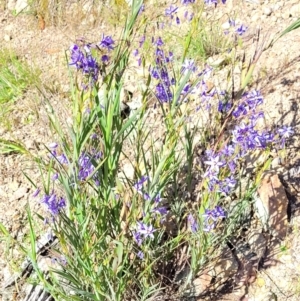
(277, 77)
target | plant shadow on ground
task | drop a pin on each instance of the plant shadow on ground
(279, 77)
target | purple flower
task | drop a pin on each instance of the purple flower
(163, 93)
(285, 132)
(187, 1)
(190, 18)
(105, 58)
(240, 110)
(211, 217)
(140, 255)
(135, 52)
(241, 30)
(137, 237)
(142, 9)
(139, 185)
(231, 22)
(186, 89)
(205, 73)
(53, 203)
(53, 145)
(159, 42)
(219, 212)
(107, 42)
(209, 2)
(145, 231)
(188, 65)
(54, 177)
(255, 117)
(193, 223)
(36, 193)
(208, 226)
(142, 41)
(254, 99)
(228, 150)
(139, 61)
(160, 210)
(224, 107)
(214, 162)
(85, 62)
(146, 196)
(169, 58)
(86, 167)
(157, 199)
(177, 20)
(170, 11)
(154, 72)
(209, 214)
(227, 185)
(77, 56)
(62, 159)
(211, 174)
(232, 166)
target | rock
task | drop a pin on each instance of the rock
(274, 19)
(21, 5)
(258, 243)
(277, 6)
(9, 27)
(255, 18)
(19, 193)
(286, 15)
(3, 194)
(128, 171)
(201, 283)
(271, 205)
(29, 144)
(267, 11)
(225, 26)
(6, 273)
(87, 7)
(295, 10)
(225, 268)
(7, 38)
(11, 4)
(135, 103)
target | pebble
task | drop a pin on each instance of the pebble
(21, 5)
(267, 11)
(7, 38)
(295, 10)
(11, 4)
(19, 193)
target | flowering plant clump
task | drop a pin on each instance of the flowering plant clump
(135, 200)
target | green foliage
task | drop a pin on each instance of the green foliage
(16, 76)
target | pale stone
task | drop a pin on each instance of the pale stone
(7, 38)
(19, 193)
(267, 11)
(295, 10)
(272, 205)
(21, 5)
(11, 4)
(258, 243)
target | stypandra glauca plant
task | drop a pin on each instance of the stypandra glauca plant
(140, 204)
